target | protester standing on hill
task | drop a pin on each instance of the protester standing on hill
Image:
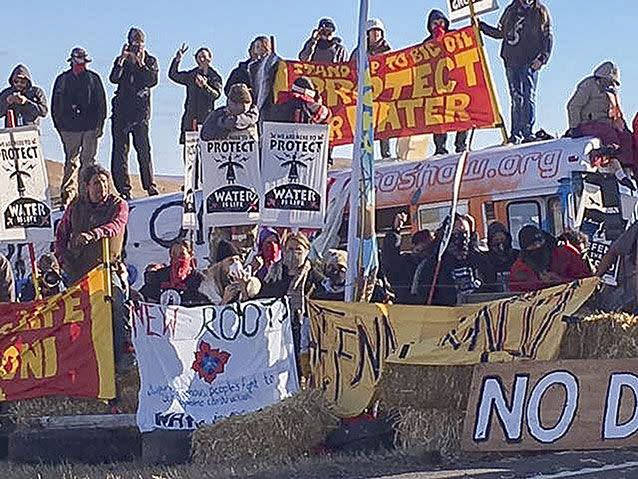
(135, 72)
(78, 108)
(259, 48)
(527, 40)
(203, 87)
(7, 282)
(27, 101)
(323, 46)
(239, 114)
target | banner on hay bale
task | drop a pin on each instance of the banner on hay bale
(561, 405)
(352, 342)
(59, 346)
(200, 365)
(433, 87)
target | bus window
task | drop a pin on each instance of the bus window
(431, 216)
(520, 214)
(556, 216)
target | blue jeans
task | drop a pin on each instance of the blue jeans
(522, 82)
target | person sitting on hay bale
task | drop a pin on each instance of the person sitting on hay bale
(544, 262)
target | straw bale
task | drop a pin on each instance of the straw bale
(429, 430)
(425, 387)
(127, 386)
(280, 434)
(601, 336)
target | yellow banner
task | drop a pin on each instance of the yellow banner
(351, 342)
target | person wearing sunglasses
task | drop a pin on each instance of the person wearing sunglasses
(527, 40)
(28, 102)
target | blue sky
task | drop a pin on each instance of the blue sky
(41, 34)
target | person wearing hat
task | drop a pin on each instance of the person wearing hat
(203, 87)
(134, 72)
(78, 108)
(27, 101)
(543, 262)
(594, 110)
(302, 104)
(323, 46)
(227, 281)
(525, 32)
(239, 114)
(50, 277)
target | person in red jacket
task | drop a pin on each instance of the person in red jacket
(544, 262)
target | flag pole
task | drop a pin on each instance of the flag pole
(496, 106)
(35, 274)
(362, 242)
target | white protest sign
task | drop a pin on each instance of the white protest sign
(24, 195)
(460, 9)
(200, 365)
(231, 179)
(294, 171)
(189, 218)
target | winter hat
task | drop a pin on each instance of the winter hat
(136, 35)
(264, 234)
(300, 238)
(608, 71)
(225, 249)
(375, 24)
(337, 257)
(304, 86)
(79, 52)
(240, 93)
(327, 23)
(437, 15)
(529, 235)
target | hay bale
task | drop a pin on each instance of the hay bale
(424, 387)
(430, 430)
(127, 387)
(280, 434)
(601, 336)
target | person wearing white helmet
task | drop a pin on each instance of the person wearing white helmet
(376, 45)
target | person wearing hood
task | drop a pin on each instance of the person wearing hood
(527, 40)
(544, 262)
(203, 87)
(438, 26)
(376, 45)
(179, 282)
(302, 104)
(96, 214)
(259, 48)
(500, 256)
(239, 114)
(226, 280)
(462, 269)
(134, 72)
(268, 250)
(28, 102)
(594, 110)
(78, 108)
(323, 46)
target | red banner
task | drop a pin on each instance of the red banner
(434, 87)
(59, 346)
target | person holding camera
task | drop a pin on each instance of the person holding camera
(50, 279)
(78, 107)
(323, 46)
(27, 101)
(134, 72)
(203, 87)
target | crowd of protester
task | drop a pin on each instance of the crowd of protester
(435, 271)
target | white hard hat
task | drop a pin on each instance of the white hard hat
(375, 24)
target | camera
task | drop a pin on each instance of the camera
(51, 279)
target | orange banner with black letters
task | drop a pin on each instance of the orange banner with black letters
(59, 346)
(433, 87)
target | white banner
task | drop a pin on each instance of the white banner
(459, 9)
(189, 218)
(24, 194)
(200, 365)
(294, 170)
(231, 179)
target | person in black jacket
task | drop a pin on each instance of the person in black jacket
(27, 101)
(177, 283)
(259, 48)
(525, 29)
(203, 87)
(135, 72)
(500, 257)
(78, 107)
